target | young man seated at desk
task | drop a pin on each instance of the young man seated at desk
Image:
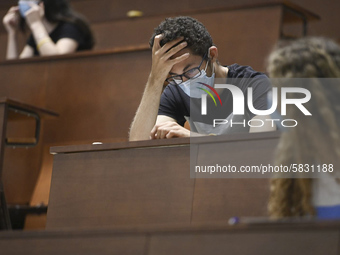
(182, 53)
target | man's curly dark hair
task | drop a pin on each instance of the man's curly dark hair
(193, 31)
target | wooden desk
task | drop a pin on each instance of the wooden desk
(149, 182)
(7, 105)
(310, 238)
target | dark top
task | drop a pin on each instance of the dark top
(64, 30)
(176, 104)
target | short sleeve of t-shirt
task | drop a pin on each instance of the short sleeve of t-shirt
(261, 86)
(245, 77)
(63, 30)
(169, 105)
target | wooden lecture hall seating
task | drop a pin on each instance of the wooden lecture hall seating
(97, 93)
(123, 197)
(14, 111)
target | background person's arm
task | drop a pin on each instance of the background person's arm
(12, 47)
(11, 23)
(27, 52)
(45, 45)
(162, 63)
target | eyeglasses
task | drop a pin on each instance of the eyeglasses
(190, 74)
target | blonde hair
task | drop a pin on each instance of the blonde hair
(306, 58)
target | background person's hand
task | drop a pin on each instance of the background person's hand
(11, 19)
(34, 15)
(162, 62)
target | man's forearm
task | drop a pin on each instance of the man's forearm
(162, 62)
(147, 111)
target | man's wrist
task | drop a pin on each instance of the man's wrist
(153, 78)
(155, 82)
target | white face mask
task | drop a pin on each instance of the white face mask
(191, 87)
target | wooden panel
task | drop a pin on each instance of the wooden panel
(21, 170)
(109, 189)
(24, 82)
(240, 43)
(249, 46)
(105, 10)
(102, 186)
(3, 126)
(130, 245)
(249, 244)
(96, 97)
(268, 239)
(256, 152)
(214, 198)
(220, 199)
(3, 43)
(328, 11)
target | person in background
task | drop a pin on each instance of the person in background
(316, 139)
(55, 29)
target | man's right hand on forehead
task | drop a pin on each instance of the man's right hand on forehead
(162, 58)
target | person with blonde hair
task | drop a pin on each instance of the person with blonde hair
(316, 139)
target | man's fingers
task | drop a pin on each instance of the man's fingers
(156, 132)
(179, 59)
(160, 131)
(171, 134)
(175, 49)
(156, 42)
(153, 132)
(171, 44)
(159, 134)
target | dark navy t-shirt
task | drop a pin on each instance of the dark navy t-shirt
(64, 30)
(175, 103)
